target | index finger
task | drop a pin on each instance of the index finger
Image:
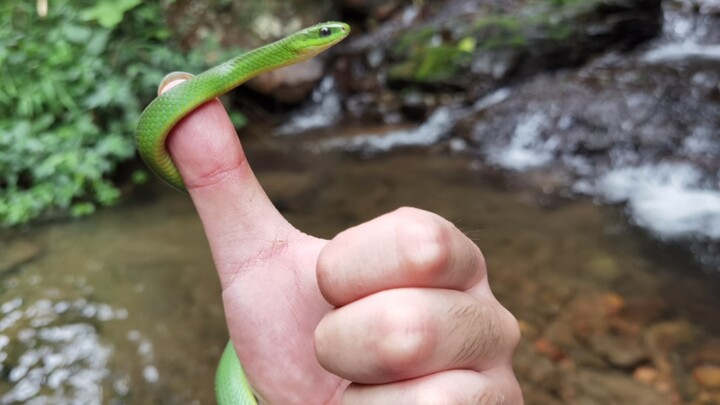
(405, 248)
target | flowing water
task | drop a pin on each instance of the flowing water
(124, 307)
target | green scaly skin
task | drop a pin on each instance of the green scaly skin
(161, 115)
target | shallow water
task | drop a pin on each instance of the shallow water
(124, 306)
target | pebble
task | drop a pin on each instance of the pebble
(549, 349)
(708, 376)
(666, 336)
(646, 375)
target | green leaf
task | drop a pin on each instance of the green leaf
(97, 43)
(63, 136)
(82, 209)
(109, 13)
(77, 34)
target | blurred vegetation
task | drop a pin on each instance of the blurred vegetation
(73, 86)
(426, 55)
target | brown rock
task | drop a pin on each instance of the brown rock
(708, 376)
(546, 347)
(645, 309)
(708, 353)
(619, 352)
(665, 336)
(612, 303)
(707, 398)
(609, 388)
(646, 375)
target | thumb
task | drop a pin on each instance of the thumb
(266, 266)
(239, 219)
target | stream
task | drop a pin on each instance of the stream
(616, 303)
(125, 307)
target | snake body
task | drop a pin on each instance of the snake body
(165, 111)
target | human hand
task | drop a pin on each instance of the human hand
(394, 311)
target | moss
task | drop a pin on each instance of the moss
(435, 64)
(559, 31)
(505, 22)
(437, 54)
(410, 39)
(499, 32)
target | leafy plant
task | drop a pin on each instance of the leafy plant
(72, 88)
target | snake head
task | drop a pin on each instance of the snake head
(313, 40)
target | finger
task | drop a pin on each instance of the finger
(239, 219)
(406, 248)
(461, 387)
(406, 333)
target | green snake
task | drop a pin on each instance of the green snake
(165, 111)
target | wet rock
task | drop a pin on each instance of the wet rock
(619, 352)
(549, 350)
(707, 398)
(416, 105)
(583, 318)
(707, 353)
(666, 336)
(16, 253)
(379, 9)
(496, 64)
(646, 375)
(593, 387)
(616, 112)
(591, 333)
(707, 6)
(644, 309)
(540, 374)
(471, 48)
(542, 36)
(707, 376)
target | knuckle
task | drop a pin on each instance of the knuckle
(424, 243)
(329, 279)
(511, 328)
(406, 339)
(496, 333)
(329, 345)
(503, 332)
(325, 262)
(482, 341)
(320, 340)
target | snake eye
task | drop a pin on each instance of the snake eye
(325, 32)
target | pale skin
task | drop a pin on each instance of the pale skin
(397, 310)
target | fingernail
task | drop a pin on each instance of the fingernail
(171, 80)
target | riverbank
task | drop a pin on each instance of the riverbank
(99, 314)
